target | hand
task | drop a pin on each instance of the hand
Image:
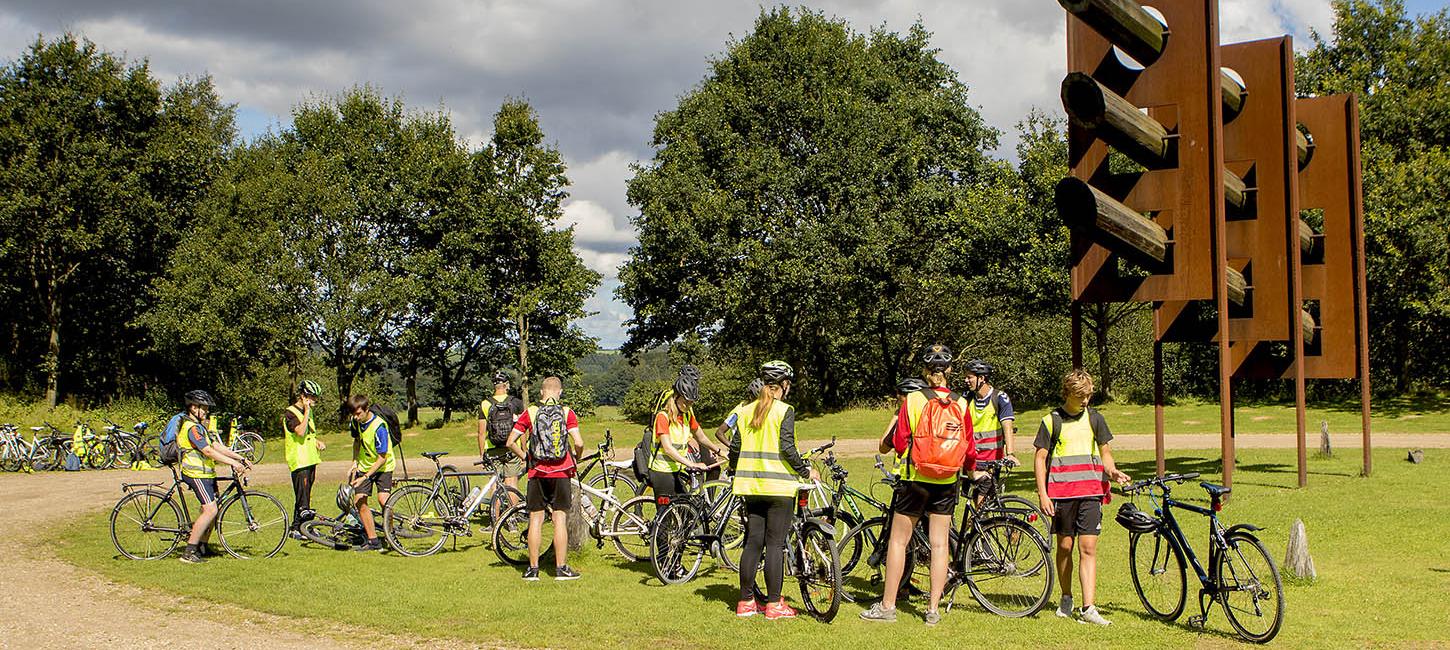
(357, 483)
(321, 445)
(814, 475)
(1119, 476)
(1045, 504)
(1011, 460)
(701, 467)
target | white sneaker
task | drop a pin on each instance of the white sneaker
(1090, 615)
(1064, 609)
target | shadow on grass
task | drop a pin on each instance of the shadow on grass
(1180, 623)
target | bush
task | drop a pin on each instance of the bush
(435, 423)
(722, 388)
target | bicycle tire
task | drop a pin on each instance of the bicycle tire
(675, 552)
(818, 570)
(141, 509)
(254, 448)
(9, 457)
(511, 536)
(1241, 547)
(456, 487)
(415, 521)
(52, 457)
(256, 529)
(916, 572)
(330, 533)
(99, 454)
(1007, 551)
(848, 549)
(1159, 575)
(123, 453)
(631, 527)
(624, 487)
(151, 451)
(870, 567)
(1024, 509)
(503, 498)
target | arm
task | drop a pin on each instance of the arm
(720, 432)
(706, 442)
(734, 449)
(1039, 467)
(578, 441)
(1110, 466)
(483, 434)
(886, 443)
(788, 451)
(218, 454)
(516, 439)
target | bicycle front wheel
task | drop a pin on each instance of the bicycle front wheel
(675, 547)
(1250, 588)
(864, 574)
(415, 520)
(147, 525)
(1158, 574)
(252, 524)
(99, 454)
(624, 487)
(631, 526)
(819, 572)
(330, 533)
(1009, 568)
(251, 446)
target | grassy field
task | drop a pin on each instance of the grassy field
(1378, 545)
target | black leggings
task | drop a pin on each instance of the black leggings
(668, 484)
(767, 519)
(302, 479)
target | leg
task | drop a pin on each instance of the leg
(365, 515)
(513, 482)
(1064, 564)
(1087, 570)
(202, 526)
(562, 502)
(755, 520)
(901, 527)
(939, 529)
(777, 519)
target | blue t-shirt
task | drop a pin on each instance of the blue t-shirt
(383, 438)
(1004, 404)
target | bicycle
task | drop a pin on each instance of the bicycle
(1009, 504)
(95, 451)
(1241, 575)
(341, 533)
(148, 523)
(17, 453)
(418, 518)
(131, 447)
(247, 444)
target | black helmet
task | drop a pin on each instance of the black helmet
(755, 387)
(500, 377)
(687, 387)
(200, 398)
(774, 372)
(910, 385)
(345, 495)
(979, 367)
(310, 388)
(690, 371)
(1135, 520)
(936, 357)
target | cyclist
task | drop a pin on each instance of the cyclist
(372, 465)
(300, 445)
(726, 430)
(767, 470)
(674, 428)
(200, 452)
(936, 443)
(552, 433)
(993, 423)
(496, 417)
(1073, 464)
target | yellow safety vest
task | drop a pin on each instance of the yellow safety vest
(367, 451)
(194, 464)
(760, 471)
(987, 428)
(301, 451)
(1076, 467)
(678, 437)
(915, 407)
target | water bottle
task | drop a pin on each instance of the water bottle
(475, 496)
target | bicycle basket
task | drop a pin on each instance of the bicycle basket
(1135, 520)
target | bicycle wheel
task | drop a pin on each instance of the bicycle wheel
(630, 527)
(252, 524)
(865, 573)
(818, 571)
(151, 451)
(123, 453)
(848, 549)
(1007, 568)
(1250, 588)
(511, 536)
(9, 457)
(675, 548)
(415, 521)
(1158, 574)
(1024, 509)
(503, 498)
(916, 574)
(330, 533)
(251, 446)
(456, 487)
(99, 454)
(732, 534)
(146, 525)
(624, 487)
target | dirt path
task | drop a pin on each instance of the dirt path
(1204, 441)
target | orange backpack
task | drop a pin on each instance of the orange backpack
(942, 437)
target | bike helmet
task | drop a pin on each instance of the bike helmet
(755, 387)
(500, 377)
(690, 371)
(687, 387)
(200, 398)
(979, 368)
(910, 385)
(310, 388)
(774, 372)
(1135, 520)
(936, 357)
(345, 494)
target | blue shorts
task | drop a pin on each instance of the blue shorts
(204, 488)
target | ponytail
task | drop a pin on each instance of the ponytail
(763, 406)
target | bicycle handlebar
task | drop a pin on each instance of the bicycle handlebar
(1138, 486)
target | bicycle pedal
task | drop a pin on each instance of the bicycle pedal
(1199, 622)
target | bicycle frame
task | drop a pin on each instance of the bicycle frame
(237, 486)
(1173, 531)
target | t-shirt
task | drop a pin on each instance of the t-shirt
(291, 420)
(197, 435)
(1100, 427)
(662, 424)
(562, 468)
(513, 404)
(1005, 411)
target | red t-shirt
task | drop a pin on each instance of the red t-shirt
(662, 424)
(563, 468)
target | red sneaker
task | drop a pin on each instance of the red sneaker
(778, 610)
(747, 608)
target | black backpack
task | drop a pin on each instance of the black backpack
(390, 418)
(549, 441)
(643, 454)
(500, 421)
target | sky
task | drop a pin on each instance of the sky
(597, 71)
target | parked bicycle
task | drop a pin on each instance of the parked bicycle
(148, 523)
(247, 444)
(1241, 575)
(132, 446)
(17, 453)
(420, 517)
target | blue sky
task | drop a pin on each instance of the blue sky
(596, 70)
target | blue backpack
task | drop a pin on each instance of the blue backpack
(170, 451)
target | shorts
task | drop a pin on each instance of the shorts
(1075, 517)
(204, 488)
(668, 484)
(914, 498)
(507, 460)
(382, 480)
(556, 493)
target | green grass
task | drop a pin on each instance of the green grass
(1378, 545)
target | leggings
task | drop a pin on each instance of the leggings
(767, 519)
(302, 478)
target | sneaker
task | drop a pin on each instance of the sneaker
(1064, 609)
(879, 613)
(191, 558)
(747, 608)
(531, 574)
(565, 573)
(369, 546)
(778, 610)
(297, 535)
(1090, 614)
(933, 617)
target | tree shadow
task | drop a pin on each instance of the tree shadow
(1180, 623)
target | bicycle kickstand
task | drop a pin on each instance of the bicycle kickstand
(1201, 621)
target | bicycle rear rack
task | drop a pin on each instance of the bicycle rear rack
(127, 487)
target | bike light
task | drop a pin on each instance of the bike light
(1217, 505)
(1031, 517)
(663, 501)
(804, 500)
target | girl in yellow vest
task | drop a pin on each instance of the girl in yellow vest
(200, 452)
(674, 428)
(768, 473)
(300, 446)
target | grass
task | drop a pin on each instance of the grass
(1378, 545)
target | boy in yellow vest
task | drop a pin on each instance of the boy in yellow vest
(373, 465)
(1073, 465)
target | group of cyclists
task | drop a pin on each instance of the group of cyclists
(936, 436)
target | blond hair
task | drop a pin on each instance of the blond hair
(765, 403)
(1077, 382)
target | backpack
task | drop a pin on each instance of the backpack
(170, 451)
(548, 442)
(390, 417)
(939, 444)
(643, 454)
(72, 462)
(500, 421)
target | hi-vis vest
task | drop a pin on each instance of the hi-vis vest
(760, 470)
(367, 450)
(1076, 468)
(678, 437)
(987, 427)
(301, 451)
(194, 464)
(915, 407)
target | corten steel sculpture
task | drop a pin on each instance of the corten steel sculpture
(1205, 220)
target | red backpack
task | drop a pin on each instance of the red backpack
(942, 438)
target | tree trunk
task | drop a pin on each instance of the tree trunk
(345, 377)
(1105, 366)
(52, 349)
(412, 388)
(523, 329)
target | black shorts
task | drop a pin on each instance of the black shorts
(556, 493)
(383, 481)
(1077, 517)
(668, 484)
(914, 498)
(204, 488)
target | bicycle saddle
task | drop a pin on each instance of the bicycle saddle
(1215, 491)
(433, 455)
